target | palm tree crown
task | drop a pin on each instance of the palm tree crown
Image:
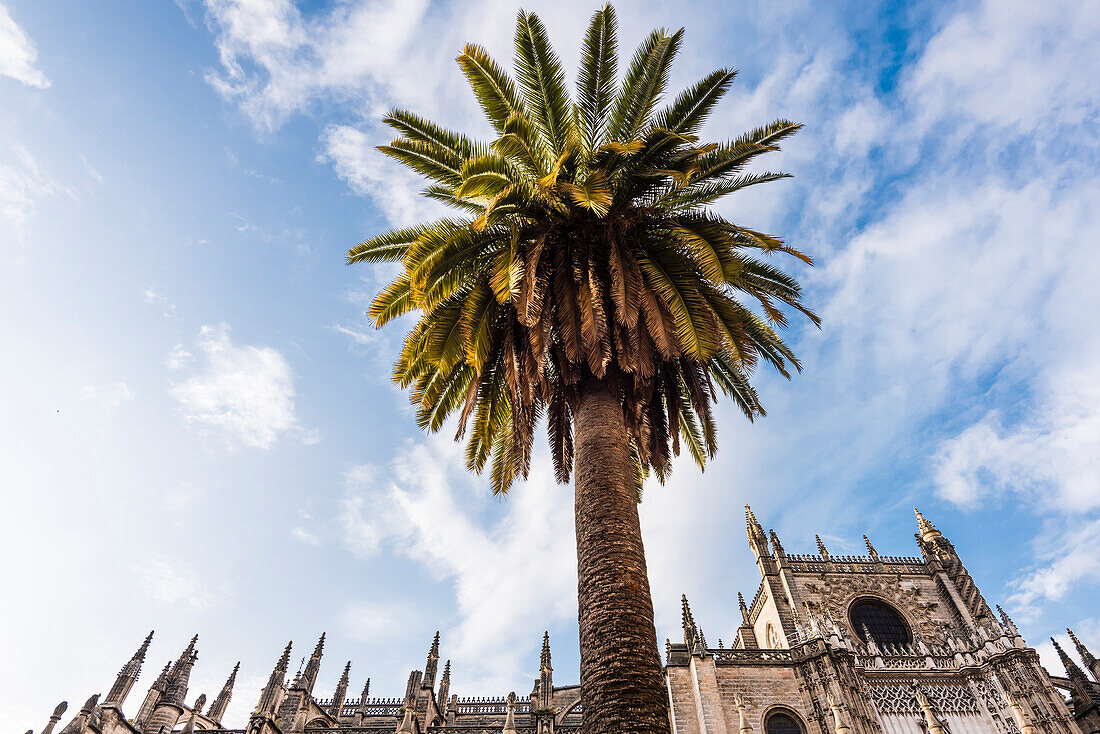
(583, 250)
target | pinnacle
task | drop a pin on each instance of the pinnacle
(688, 620)
(344, 677)
(923, 524)
(140, 655)
(317, 651)
(435, 644)
(870, 548)
(545, 661)
(821, 546)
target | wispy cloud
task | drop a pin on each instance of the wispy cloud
(275, 62)
(244, 394)
(23, 184)
(18, 53)
(378, 622)
(431, 512)
(170, 582)
(157, 297)
(110, 395)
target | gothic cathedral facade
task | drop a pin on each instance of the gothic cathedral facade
(829, 644)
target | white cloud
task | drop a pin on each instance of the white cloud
(18, 54)
(275, 62)
(1025, 66)
(305, 536)
(1087, 631)
(393, 188)
(245, 394)
(110, 395)
(157, 297)
(173, 583)
(512, 576)
(1051, 456)
(1070, 558)
(22, 185)
(378, 622)
(182, 499)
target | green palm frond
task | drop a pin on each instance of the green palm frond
(584, 248)
(596, 81)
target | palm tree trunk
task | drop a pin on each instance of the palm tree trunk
(622, 684)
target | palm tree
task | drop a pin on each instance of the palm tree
(585, 280)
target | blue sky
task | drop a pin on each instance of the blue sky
(197, 429)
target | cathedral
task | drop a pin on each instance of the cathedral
(829, 644)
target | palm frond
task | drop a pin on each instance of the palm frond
(596, 79)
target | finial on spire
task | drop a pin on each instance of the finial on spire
(337, 705)
(744, 610)
(693, 636)
(544, 659)
(821, 547)
(1083, 651)
(776, 545)
(221, 702)
(366, 690)
(433, 662)
(870, 548)
(313, 667)
(1072, 669)
(926, 528)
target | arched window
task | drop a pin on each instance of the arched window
(886, 625)
(782, 722)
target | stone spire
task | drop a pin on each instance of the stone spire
(341, 693)
(180, 674)
(362, 710)
(821, 548)
(127, 676)
(510, 717)
(313, 667)
(169, 706)
(217, 709)
(757, 540)
(1082, 687)
(871, 549)
(151, 698)
(1090, 662)
(432, 664)
(776, 545)
(269, 697)
(546, 674)
(932, 723)
(76, 726)
(693, 636)
(444, 688)
(58, 712)
(927, 529)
